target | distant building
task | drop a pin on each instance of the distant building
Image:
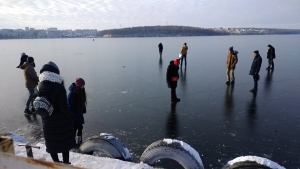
(31, 29)
(26, 28)
(51, 29)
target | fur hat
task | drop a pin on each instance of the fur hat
(79, 82)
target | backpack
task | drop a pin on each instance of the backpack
(42, 105)
(237, 59)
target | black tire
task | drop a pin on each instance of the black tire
(111, 146)
(162, 150)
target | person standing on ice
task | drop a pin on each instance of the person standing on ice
(57, 128)
(183, 52)
(271, 56)
(31, 80)
(160, 49)
(172, 78)
(232, 60)
(255, 68)
(77, 105)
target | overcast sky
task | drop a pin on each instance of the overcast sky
(109, 14)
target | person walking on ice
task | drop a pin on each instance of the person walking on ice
(160, 49)
(271, 56)
(77, 105)
(172, 79)
(232, 60)
(31, 81)
(183, 52)
(255, 68)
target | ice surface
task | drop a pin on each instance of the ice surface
(259, 160)
(187, 147)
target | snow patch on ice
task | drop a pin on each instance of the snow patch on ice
(187, 147)
(14, 136)
(259, 160)
(81, 160)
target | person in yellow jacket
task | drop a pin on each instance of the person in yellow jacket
(183, 52)
(232, 60)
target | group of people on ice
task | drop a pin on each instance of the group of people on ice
(232, 59)
(67, 119)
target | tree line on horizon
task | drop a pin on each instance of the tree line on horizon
(171, 31)
(153, 31)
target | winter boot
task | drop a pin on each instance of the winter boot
(232, 82)
(27, 112)
(79, 140)
(228, 83)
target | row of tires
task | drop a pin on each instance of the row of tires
(176, 150)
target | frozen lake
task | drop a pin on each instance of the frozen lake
(128, 95)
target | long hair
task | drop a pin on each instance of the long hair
(80, 97)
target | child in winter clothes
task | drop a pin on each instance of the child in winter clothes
(77, 105)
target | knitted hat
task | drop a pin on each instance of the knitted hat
(231, 48)
(51, 67)
(177, 62)
(269, 45)
(30, 59)
(79, 82)
(256, 52)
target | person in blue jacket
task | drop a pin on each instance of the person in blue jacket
(77, 105)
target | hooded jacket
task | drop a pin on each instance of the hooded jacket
(58, 129)
(271, 53)
(256, 64)
(77, 115)
(31, 79)
(232, 60)
(172, 71)
(183, 50)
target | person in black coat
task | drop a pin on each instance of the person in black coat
(58, 129)
(160, 48)
(271, 56)
(172, 78)
(255, 68)
(77, 106)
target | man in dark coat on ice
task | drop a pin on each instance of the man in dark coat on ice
(172, 78)
(255, 68)
(271, 56)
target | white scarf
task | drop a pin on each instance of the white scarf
(50, 76)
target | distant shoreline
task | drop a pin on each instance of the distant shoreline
(142, 31)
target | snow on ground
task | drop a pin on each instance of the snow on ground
(259, 160)
(187, 147)
(81, 160)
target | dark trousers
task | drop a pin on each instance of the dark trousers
(65, 156)
(78, 128)
(271, 63)
(173, 93)
(256, 79)
(181, 60)
(30, 98)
